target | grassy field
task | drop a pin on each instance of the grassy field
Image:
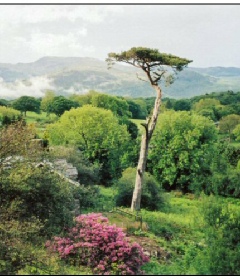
(175, 230)
(40, 120)
(138, 123)
(33, 117)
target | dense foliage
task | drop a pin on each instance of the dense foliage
(221, 255)
(228, 123)
(35, 202)
(182, 151)
(152, 196)
(236, 132)
(142, 55)
(118, 106)
(8, 115)
(102, 141)
(35, 192)
(225, 179)
(27, 103)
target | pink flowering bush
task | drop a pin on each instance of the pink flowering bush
(100, 246)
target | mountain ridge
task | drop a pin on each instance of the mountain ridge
(68, 75)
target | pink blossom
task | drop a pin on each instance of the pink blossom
(48, 243)
(100, 266)
(96, 243)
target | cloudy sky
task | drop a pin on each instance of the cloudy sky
(209, 35)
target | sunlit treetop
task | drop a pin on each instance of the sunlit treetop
(154, 63)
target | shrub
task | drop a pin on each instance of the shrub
(225, 179)
(152, 197)
(222, 253)
(15, 236)
(8, 115)
(100, 246)
(36, 192)
(88, 196)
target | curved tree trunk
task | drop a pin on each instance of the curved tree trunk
(146, 137)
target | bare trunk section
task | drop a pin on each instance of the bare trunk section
(136, 199)
(146, 137)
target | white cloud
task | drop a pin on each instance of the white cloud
(28, 32)
(40, 44)
(206, 34)
(35, 14)
(58, 45)
(35, 86)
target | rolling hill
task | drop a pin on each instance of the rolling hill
(67, 75)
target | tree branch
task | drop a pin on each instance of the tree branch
(141, 78)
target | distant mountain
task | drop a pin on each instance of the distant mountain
(219, 71)
(67, 75)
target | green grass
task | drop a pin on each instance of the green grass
(179, 230)
(138, 123)
(235, 144)
(40, 120)
(107, 192)
(50, 264)
(33, 117)
(182, 216)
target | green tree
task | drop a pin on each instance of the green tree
(143, 112)
(207, 107)
(169, 103)
(225, 180)
(27, 103)
(60, 104)
(14, 140)
(236, 132)
(138, 108)
(156, 66)
(221, 255)
(221, 111)
(228, 123)
(47, 101)
(209, 113)
(118, 106)
(181, 150)
(97, 133)
(182, 105)
(134, 108)
(235, 108)
(83, 99)
(4, 102)
(206, 103)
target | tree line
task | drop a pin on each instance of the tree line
(112, 142)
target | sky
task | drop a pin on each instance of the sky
(206, 34)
